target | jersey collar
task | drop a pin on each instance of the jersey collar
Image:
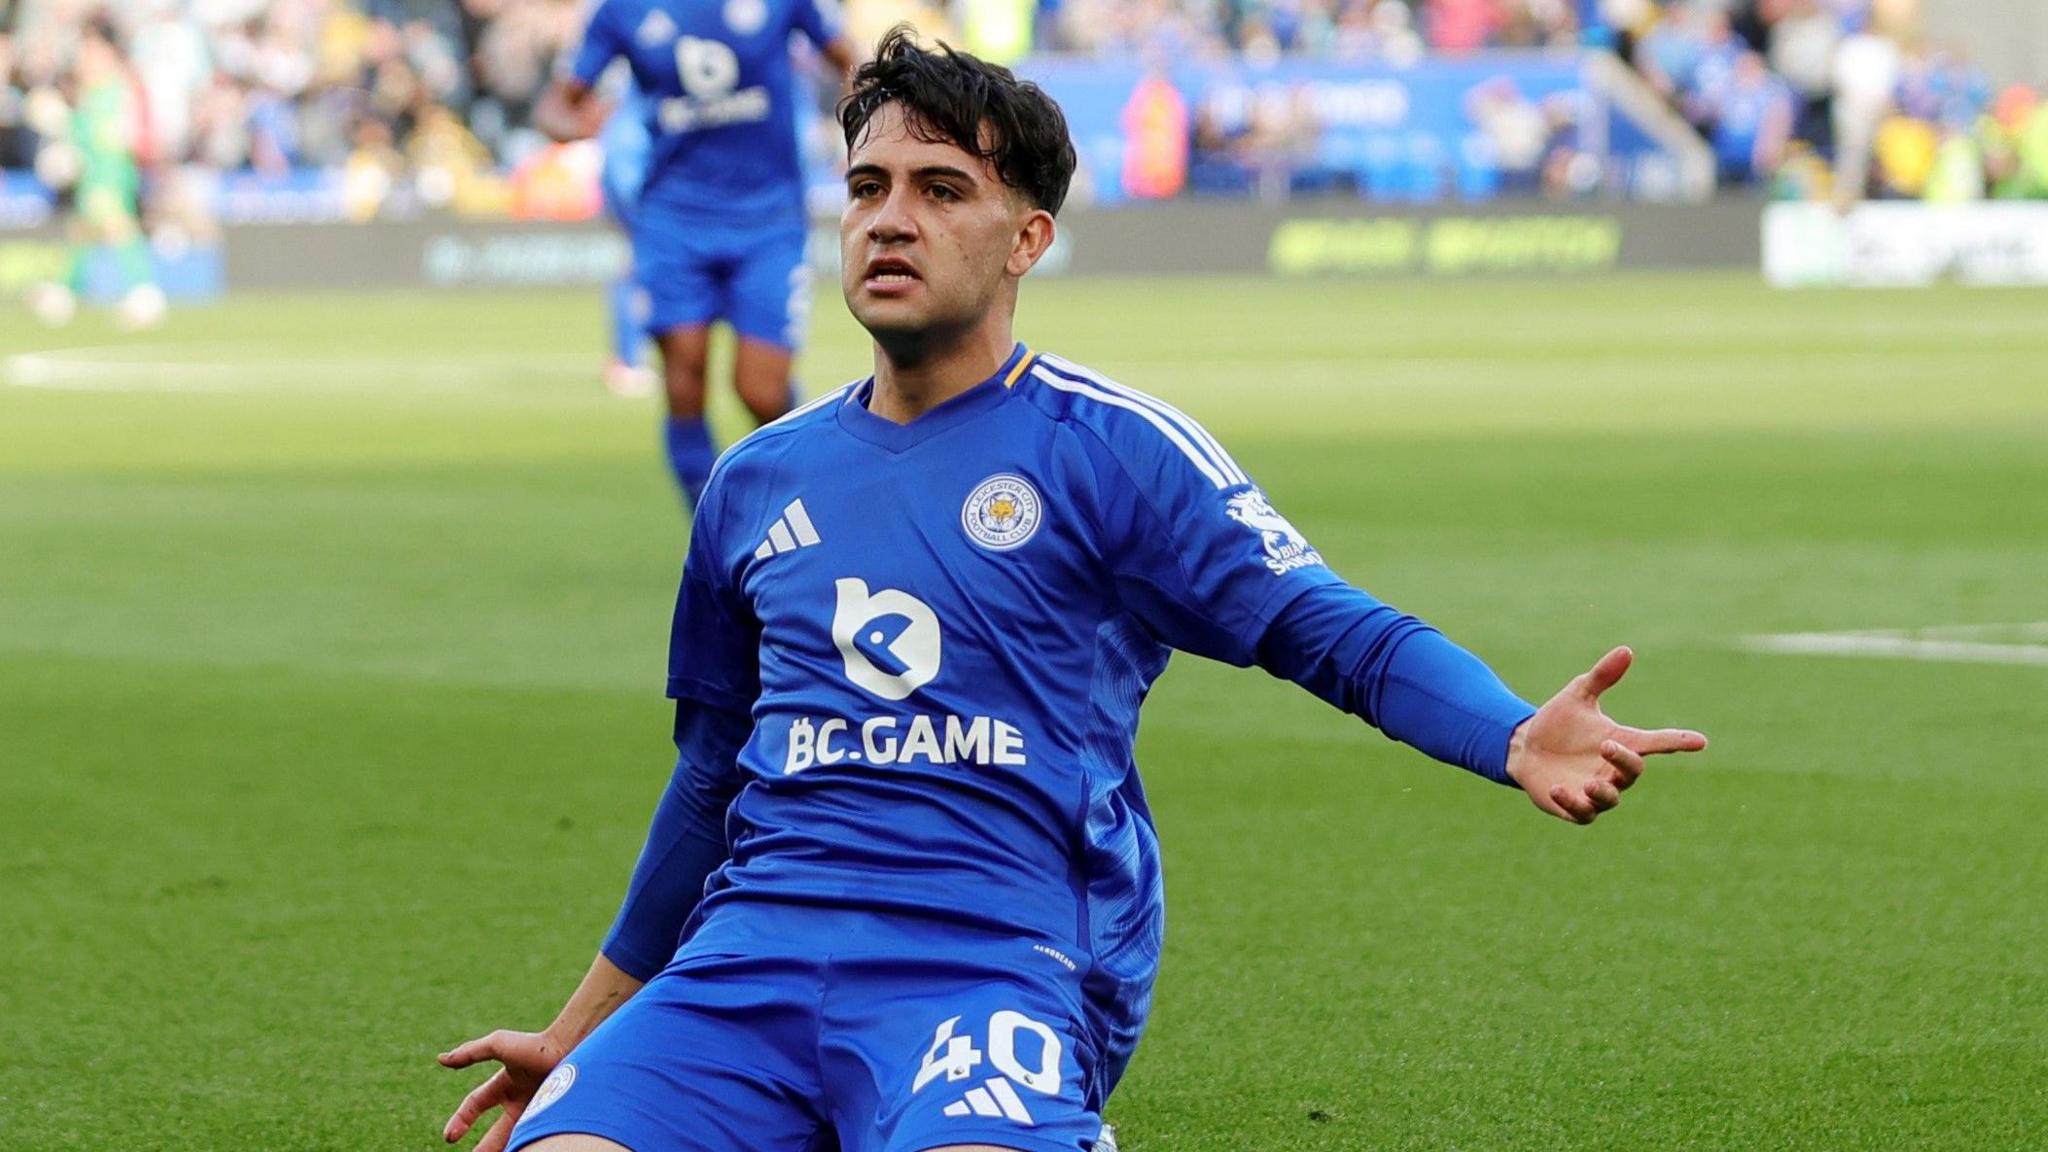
(855, 417)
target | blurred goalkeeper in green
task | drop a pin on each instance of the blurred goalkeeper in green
(106, 188)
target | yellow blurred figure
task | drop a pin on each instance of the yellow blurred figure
(867, 20)
(998, 31)
(1957, 176)
(1905, 154)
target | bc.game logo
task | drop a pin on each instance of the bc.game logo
(888, 639)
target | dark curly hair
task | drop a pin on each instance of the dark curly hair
(951, 97)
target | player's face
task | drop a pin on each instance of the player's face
(930, 233)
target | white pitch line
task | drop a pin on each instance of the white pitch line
(1938, 644)
(2037, 630)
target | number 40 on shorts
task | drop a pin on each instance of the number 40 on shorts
(954, 1057)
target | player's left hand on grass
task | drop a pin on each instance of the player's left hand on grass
(524, 1060)
(1573, 761)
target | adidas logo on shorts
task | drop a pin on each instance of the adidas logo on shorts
(995, 1098)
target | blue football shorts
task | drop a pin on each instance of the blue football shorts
(867, 1043)
(756, 280)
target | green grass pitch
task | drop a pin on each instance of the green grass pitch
(331, 632)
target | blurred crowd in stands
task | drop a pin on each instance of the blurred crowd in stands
(1396, 31)
(431, 98)
(422, 88)
(1838, 99)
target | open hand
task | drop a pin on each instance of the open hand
(524, 1060)
(1573, 761)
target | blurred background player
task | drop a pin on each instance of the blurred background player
(719, 228)
(105, 186)
(625, 140)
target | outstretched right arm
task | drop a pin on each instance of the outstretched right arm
(1212, 568)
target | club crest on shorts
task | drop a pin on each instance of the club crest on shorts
(552, 1089)
(1002, 512)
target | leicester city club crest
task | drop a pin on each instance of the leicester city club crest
(552, 1089)
(1002, 512)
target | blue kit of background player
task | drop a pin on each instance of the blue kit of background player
(625, 141)
(719, 225)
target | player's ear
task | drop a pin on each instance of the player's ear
(1034, 236)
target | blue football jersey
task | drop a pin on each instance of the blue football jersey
(720, 92)
(944, 631)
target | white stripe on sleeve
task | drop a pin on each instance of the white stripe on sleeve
(1196, 457)
(1188, 424)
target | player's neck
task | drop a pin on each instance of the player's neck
(912, 379)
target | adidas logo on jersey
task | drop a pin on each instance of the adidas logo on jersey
(792, 530)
